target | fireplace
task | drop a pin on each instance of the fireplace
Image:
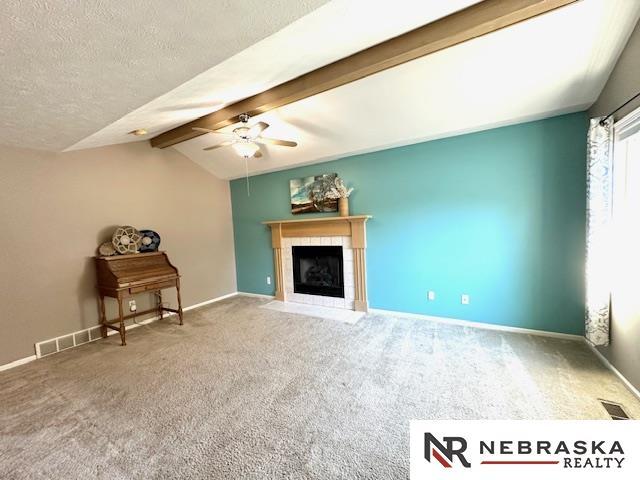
(347, 233)
(318, 270)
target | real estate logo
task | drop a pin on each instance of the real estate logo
(455, 447)
(528, 449)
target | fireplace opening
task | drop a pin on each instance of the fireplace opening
(318, 271)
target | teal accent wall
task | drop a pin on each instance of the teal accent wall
(498, 215)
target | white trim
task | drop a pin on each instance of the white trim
(109, 333)
(16, 363)
(136, 324)
(450, 321)
(255, 295)
(483, 326)
(488, 326)
(207, 302)
(627, 125)
(615, 371)
(165, 315)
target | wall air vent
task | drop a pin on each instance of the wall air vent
(58, 344)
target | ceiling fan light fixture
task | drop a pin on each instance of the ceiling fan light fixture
(243, 132)
(245, 149)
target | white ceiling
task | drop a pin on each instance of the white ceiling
(83, 74)
(333, 31)
(552, 64)
(69, 68)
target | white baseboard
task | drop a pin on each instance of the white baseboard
(483, 326)
(255, 295)
(489, 326)
(170, 314)
(207, 302)
(109, 333)
(615, 371)
(450, 321)
(17, 363)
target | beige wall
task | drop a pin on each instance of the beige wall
(623, 83)
(623, 352)
(55, 209)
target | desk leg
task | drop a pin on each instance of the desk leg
(103, 317)
(159, 300)
(179, 300)
(121, 316)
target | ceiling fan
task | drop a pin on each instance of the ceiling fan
(245, 140)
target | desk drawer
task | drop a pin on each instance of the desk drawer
(152, 286)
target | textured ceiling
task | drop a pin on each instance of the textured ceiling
(71, 67)
(333, 31)
(552, 64)
(82, 74)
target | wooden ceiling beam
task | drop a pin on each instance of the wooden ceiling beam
(472, 22)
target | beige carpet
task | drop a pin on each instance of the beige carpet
(304, 311)
(245, 392)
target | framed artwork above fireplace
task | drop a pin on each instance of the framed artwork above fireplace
(309, 194)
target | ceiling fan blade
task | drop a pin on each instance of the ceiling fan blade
(213, 147)
(275, 141)
(257, 129)
(208, 130)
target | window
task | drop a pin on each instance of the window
(626, 214)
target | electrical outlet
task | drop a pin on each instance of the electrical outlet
(132, 306)
(268, 280)
(431, 295)
(465, 299)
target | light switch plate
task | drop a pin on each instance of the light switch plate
(465, 299)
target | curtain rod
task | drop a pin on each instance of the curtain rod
(619, 108)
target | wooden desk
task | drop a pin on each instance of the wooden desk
(123, 276)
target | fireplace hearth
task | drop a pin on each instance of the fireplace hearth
(318, 270)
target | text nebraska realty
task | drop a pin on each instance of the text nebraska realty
(578, 454)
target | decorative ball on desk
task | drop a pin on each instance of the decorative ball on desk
(126, 239)
(150, 241)
(106, 249)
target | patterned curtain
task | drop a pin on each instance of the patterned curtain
(599, 196)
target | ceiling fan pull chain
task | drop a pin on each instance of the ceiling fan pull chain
(246, 169)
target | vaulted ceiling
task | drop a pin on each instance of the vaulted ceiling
(333, 31)
(92, 75)
(70, 68)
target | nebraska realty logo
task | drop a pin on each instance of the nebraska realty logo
(501, 449)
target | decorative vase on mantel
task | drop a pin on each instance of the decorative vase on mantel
(343, 206)
(340, 192)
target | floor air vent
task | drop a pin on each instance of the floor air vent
(615, 410)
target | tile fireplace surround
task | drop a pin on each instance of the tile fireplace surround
(347, 232)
